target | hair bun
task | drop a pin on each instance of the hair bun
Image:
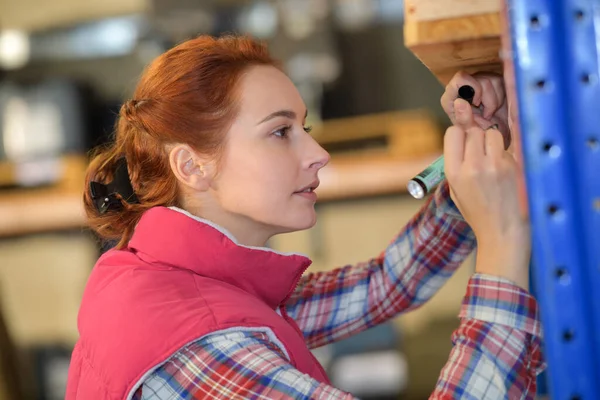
(129, 109)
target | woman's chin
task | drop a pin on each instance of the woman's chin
(302, 222)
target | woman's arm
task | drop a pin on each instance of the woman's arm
(497, 347)
(330, 306)
(236, 365)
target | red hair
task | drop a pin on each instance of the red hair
(186, 95)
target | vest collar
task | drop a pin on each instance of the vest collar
(179, 239)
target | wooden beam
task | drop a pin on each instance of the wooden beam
(348, 178)
(413, 139)
(452, 35)
(40, 210)
(30, 211)
(429, 10)
(33, 210)
(38, 15)
(407, 134)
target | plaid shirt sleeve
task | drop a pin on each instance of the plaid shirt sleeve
(329, 306)
(497, 347)
(496, 355)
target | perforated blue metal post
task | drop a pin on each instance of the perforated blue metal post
(555, 45)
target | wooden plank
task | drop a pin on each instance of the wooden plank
(63, 171)
(470, 43)
(45, 209)
(407, 134)
(349, 178)
(7, 174)
(40, 210)
(54, 209)
(414, 139)
(452, 30)
(427, 10)
(36, 15)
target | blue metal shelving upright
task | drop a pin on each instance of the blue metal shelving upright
(556, 57)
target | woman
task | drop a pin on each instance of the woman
(212, 158)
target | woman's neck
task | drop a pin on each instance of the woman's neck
(241, 229)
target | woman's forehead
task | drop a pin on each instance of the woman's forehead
(266, 89)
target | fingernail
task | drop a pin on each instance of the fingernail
(495, 126)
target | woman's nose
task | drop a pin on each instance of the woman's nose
(319, 157)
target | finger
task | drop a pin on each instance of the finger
(454, 148)
(474, 145)
(489, 99)
(461, 78)
(499, 90)
(494, 144)
(463, 113)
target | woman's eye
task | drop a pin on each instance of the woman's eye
(282, 133)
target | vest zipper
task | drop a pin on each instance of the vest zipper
(284, 314)
(294, 325)
(295, 285)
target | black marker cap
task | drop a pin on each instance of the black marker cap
(467, 93)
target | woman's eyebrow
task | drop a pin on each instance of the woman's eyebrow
(281, 113)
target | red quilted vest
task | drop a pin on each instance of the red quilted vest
(179, 279)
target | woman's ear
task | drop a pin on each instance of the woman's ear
(190, 169)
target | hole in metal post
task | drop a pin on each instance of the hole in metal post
(563, 275)
(568, 335)
(534, 21)
(596, 204)
(552, 149)
(553, 210)
(585, 78)
(579, 14)
(592, 143)
(540, 84)
(576, 397)
(588, 79)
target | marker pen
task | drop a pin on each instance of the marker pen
(426, 181)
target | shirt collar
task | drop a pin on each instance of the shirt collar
(179, 239)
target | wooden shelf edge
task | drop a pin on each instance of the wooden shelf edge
(41, 210)
(429, 10)
(452, 30)
(53, 209)
(471, 43)
(343, 180)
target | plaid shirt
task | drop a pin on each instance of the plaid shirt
(496, 352)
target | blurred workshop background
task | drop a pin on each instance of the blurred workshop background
(67, 65)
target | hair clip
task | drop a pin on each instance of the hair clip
(105, 195)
